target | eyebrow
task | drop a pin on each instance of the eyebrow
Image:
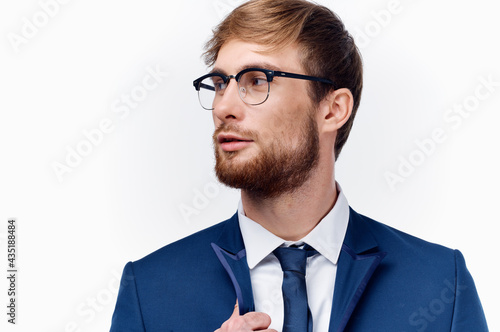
(263, 65)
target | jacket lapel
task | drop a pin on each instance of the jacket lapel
(230, 251)
(357, 262)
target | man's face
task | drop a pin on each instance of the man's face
(268, 149)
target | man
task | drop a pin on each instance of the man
(284, 89)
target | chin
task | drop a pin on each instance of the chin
(243, 155)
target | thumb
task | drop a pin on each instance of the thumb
(236, 311)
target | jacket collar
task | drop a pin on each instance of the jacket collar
(359, 236)
(230, 251)
(358, 261)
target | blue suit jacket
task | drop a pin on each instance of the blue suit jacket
(386, 281)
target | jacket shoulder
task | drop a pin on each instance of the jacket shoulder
(426, 284)
(390, 239)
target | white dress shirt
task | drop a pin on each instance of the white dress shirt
(265, 270)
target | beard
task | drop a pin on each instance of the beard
(277, 169)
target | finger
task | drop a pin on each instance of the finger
(236, 311)
(257, 320)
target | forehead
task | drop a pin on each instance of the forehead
(235, 55)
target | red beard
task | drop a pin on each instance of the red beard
(278, 168)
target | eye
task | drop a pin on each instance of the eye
(219, 84)
(257, 81)
(254, 80)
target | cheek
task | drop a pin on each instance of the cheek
(281, 129)
(282, 117)
(215, 120)
(288, 122)
(277, 124)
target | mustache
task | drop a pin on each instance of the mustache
(235, 129)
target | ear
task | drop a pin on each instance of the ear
(334, 110)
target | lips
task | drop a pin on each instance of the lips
(232, 142)
(223, 138)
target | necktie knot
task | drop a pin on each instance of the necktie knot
(292, 259)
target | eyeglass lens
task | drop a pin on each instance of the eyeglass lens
(253, 89)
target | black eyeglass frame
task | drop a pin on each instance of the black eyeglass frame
(270, 74)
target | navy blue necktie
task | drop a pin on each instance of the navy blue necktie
(293, 263)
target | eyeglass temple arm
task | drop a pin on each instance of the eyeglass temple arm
(302, 77)
(197, 84)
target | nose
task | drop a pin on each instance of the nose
(229, 107)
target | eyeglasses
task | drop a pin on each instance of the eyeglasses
(254, 85)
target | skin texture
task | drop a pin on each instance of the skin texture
(279, 124)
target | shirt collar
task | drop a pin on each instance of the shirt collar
(327, 237)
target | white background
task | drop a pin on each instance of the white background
(124, 198)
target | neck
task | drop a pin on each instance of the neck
(291, 216)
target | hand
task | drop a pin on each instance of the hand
(251, 321)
